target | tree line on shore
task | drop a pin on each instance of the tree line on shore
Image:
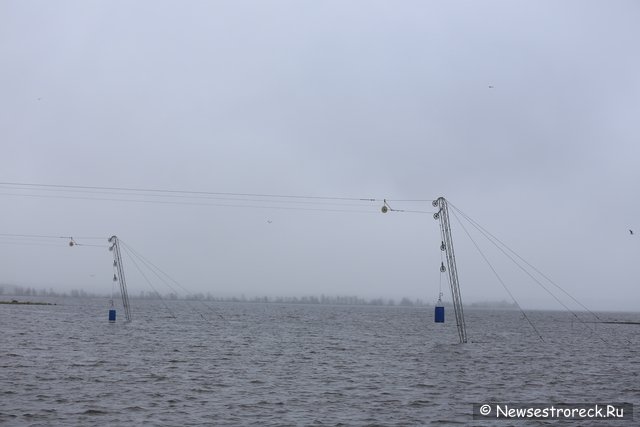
(311, 299)
(27, 291)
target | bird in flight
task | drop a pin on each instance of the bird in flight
(269, 221)
(490, 86)
(631, 232)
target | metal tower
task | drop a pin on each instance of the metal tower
(447, 246)
(117, 263)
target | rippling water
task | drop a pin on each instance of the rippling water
(274, 364)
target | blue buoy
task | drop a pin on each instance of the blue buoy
(112, 315)
(439, 315)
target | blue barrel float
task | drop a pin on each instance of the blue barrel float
(112, 313)
(439, 314)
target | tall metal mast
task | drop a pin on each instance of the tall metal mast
(117, 262)
(447, 246)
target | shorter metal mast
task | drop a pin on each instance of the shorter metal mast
(447, 246)
(117, 262)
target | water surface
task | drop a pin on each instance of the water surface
(275, 364)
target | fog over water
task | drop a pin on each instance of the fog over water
(522, 114)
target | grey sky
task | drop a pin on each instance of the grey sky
(327, 98)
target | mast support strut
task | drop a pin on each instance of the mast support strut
(447, 245)
(117, 261)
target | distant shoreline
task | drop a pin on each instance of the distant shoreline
(338, 300)
(16, 302)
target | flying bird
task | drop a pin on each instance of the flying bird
(269, 221)
(631, 232)
(490, 87)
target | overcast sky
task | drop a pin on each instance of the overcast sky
(523, 114)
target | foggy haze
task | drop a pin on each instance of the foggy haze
(524, 115)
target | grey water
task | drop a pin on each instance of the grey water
(277, 364)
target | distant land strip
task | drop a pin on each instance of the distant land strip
(15, 301)
(11, 291)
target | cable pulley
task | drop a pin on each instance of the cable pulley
(386, 208)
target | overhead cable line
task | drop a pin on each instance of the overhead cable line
(226, 205)
(40, 239)
(161, 202)
(494, 239)
(38, 236)
(155, 190)
(192, 197)
(176, 196)
(585, 324)
(28, 243)
(156, 270)
(149, 283)
(504, 285)
(411, 200)
(528, 274)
